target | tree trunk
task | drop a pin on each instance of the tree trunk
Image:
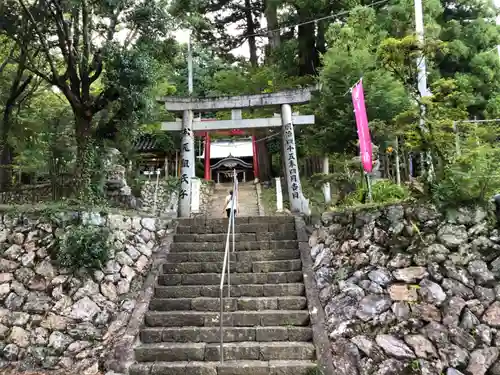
(320, 40)
(84, 156)
(308, 55)
(16, 90)
(252, 43)
(6, 149)
(271, 13)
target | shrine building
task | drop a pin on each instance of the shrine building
(226, 154)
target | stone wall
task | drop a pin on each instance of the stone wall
(407, 290)
(29, 194)
(166, 199)
(206, 192)
(52, 318)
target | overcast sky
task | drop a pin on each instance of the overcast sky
(183, 35)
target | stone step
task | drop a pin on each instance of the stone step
(262, 235)
(257, 224)
(227, 368)
(251, 350)
(236, 267)
(230, 304)
(204, 221)
(181, 247)
(238, 256)
(236, 279)
(230, 319)
(239, 228)
(231, 334)
(246, 290)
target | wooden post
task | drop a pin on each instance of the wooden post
(208, 176)
(255, 158)
(326, 186)
(398, 171)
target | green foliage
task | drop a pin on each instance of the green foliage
(470, 179)
(83, 246)
(199, 169)
(314, 371)
(352, 55)
(314, 194)
(171, 184)
(346, 172)
(268, 198)
(106, 79)
(386, 191)
(136, 183)
(44, 140)
(383, 191)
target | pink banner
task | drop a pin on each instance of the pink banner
(365, 142)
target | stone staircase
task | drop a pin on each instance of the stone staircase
(247, 200)
(267, 324)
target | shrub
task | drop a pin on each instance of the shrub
(469, 180)
(136, 185)
(84, 246)
(383, 191)
(171, 184)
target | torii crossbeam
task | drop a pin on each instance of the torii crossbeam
(270, 122)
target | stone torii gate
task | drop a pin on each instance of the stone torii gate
(189, 125)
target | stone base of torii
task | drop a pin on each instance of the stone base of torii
(284, 99)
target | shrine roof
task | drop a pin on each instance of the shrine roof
(147, 143)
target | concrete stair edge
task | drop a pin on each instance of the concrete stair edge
(303, 367)
(237, 256)
(262, 245)
(231, 318)
(230, 304)
(243, 290)
(283, 265)
(213, 278)
(186, 334)
(248, 350)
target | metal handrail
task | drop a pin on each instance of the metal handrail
(226, 264)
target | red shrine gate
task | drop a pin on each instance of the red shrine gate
(232, 132)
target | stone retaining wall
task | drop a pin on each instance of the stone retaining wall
(206, 192)
(409, 291)
(166, 199)
(52, 318)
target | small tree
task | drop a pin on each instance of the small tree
(96, 53)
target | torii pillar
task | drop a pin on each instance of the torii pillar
(290, 156)
(187, 163)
